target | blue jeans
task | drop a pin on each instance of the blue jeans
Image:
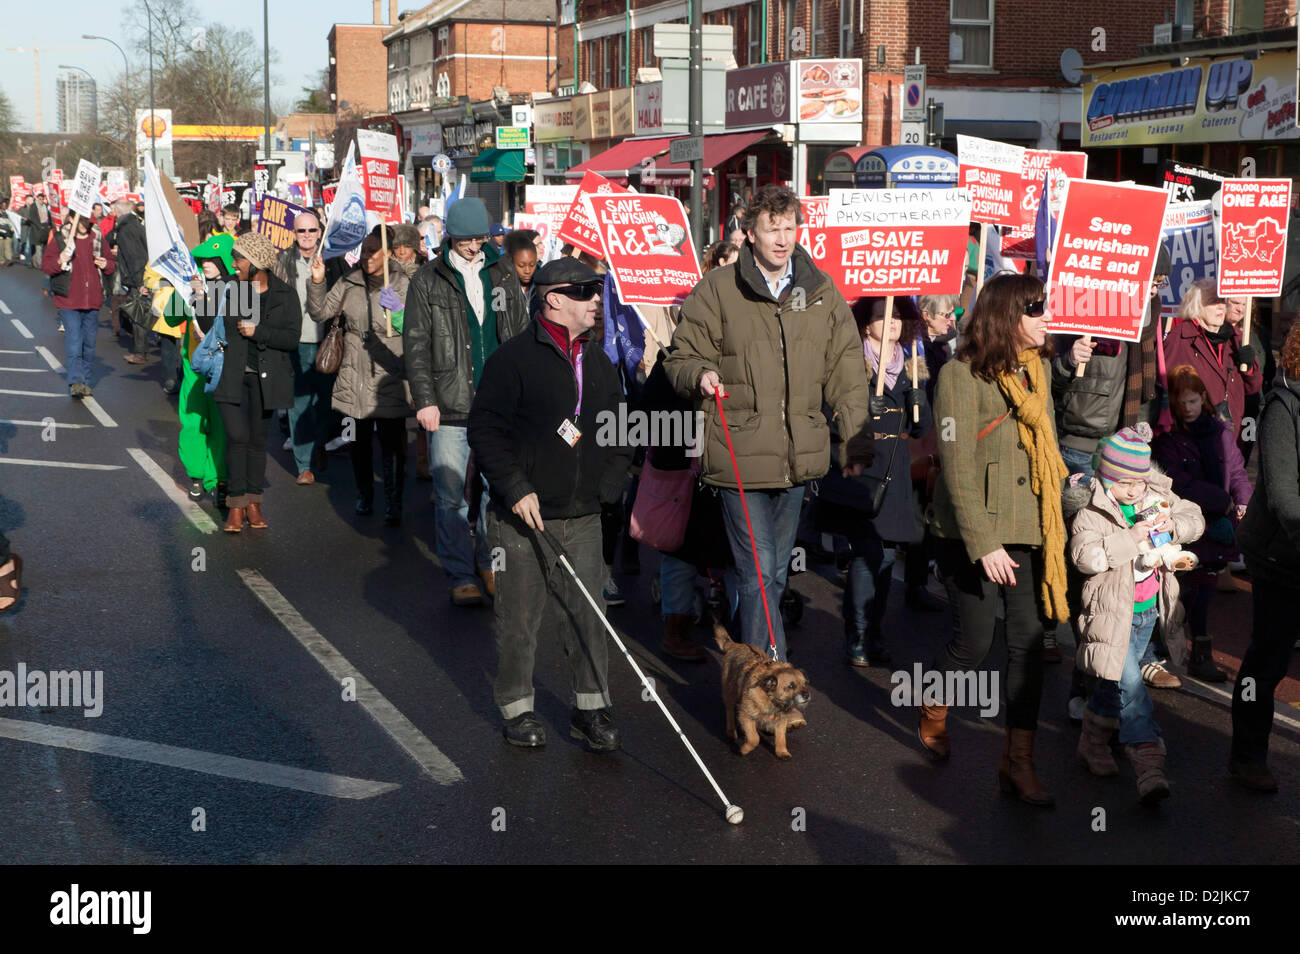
(1127, 699)
(457, 551)
(775, 516)
(867, 592)
(677, 586)
(1076, 461)
(305, 417)
(80, 325)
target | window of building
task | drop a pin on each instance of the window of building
(610, 62)
(789, 20)
(818, 21)
(1247, 15)
(970, 41)
(1185, 16)
(755, 48)
(846, 29)
(593, 62)
(648, 57)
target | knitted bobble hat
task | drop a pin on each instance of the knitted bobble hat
(1126, 455)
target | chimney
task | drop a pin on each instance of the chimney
(379, 11)
(392, 12)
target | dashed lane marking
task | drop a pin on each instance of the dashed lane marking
(54, 363)
(192, 511)
(71, 465)
(4, 308)
(23, 351)
(50, 423)
(427, 755)
(209, 763)
(22, 328)
(28, 370)
(99, 413)
(34, 393)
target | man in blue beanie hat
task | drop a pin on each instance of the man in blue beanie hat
(463, 303)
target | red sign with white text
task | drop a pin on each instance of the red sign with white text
(377, 166)
(990, 171)
(820, 242)
(578, 229)
(19, 190)
(1018, 241)
(1107, 240)
(895, 241)
(647, 243)
(1252, 236)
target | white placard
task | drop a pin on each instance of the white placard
(85, 189)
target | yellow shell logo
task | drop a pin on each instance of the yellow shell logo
(153, 126)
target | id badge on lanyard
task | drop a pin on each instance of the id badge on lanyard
(568, 429)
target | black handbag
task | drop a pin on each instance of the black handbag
(60, 282)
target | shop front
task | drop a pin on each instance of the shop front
(557, 150)
(423, 143)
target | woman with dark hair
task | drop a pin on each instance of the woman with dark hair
(875, 511)
(997, 513)
(263, 322)
(208, 224)
(719, 254)
(1269, 538)
(371, 387)
(1205, 466)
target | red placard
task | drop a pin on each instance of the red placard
(820, 242)
(647, 243)
(579, 230)
(896, 241)
(377, 165)
(19, 190)
(1252, 236)
(990, 171)
(1018, 241)
(1105, 252)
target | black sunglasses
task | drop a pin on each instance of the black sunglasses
(578, 292)
(1035, 308)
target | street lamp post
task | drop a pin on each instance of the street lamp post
(153, 141)
(68, 66)
(126, 108)
(266, 92)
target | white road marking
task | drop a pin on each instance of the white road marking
(192, 511)
(35, 393)
(58, 463)
(28, 370)
(210, 763)
(5, 308)
(22, 328)
(24, 351)
(1211, 694)
(399, 728)
(53, 362)
(99, 413)
(55, 424)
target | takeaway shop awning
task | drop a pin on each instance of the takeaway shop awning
(615, 162)
(498, 165)
(718, 148)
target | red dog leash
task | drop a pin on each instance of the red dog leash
(753, 546)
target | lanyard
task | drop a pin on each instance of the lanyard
(577, 371)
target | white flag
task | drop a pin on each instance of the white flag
(346, 226)
(169, 256)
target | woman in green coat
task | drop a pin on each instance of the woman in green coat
(203, 437)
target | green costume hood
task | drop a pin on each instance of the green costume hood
(217, 246)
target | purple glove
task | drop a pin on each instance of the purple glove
(388, 299)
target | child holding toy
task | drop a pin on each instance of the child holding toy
(1124, 595)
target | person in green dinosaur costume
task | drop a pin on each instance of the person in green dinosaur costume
(203, 437)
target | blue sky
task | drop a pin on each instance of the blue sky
(298, 35)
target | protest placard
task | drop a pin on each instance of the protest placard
(896, 241)
(647, 242)
(578, 229)
(377, 166)
(276, 220)
(820, 242)
(990, 171)
(549, 207)
(19, 190)
(1189, 236)
(85, 188)
(346, 226)
(1018, 241)
(1104, 255)
(1188, 183)
(1252, 236)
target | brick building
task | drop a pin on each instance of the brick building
(356, 77)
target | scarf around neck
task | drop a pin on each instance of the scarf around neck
(1046, 473)
(893, 369)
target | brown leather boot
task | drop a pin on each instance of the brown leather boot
(1094, 743)
(933, 732)
(234, 520)
(677, 641)
(1016, 774)
(255, 518)
(1148, 760)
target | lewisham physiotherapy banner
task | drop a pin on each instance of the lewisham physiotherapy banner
(1230, 99)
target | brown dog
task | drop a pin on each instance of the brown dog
(760, 694)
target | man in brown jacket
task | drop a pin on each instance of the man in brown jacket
(775, 337)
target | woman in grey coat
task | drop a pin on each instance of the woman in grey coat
(371, 386)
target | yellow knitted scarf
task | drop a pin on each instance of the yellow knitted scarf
(1046, 473)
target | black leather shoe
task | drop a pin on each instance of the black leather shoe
(596, 728)
(525, 731)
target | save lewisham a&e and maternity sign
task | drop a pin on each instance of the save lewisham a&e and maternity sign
(1230, 99)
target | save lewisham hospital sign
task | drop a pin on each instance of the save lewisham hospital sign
(1230, 99)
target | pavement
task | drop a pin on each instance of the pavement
(307, 693)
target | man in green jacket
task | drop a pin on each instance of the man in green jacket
(776, 339)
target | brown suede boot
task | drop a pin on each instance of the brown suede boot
(255, 518)
(234, 520)
(1016, 774)
(677, 640)
(1148, 760)
(933, 732)
(1094, 743)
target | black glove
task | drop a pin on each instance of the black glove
(915, 400)
(1246, 355)
(879, 406)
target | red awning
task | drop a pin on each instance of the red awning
(615, 162)
(718, 148)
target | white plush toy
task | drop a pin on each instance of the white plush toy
(1158, 549)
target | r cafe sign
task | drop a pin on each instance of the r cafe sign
(758, 95)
